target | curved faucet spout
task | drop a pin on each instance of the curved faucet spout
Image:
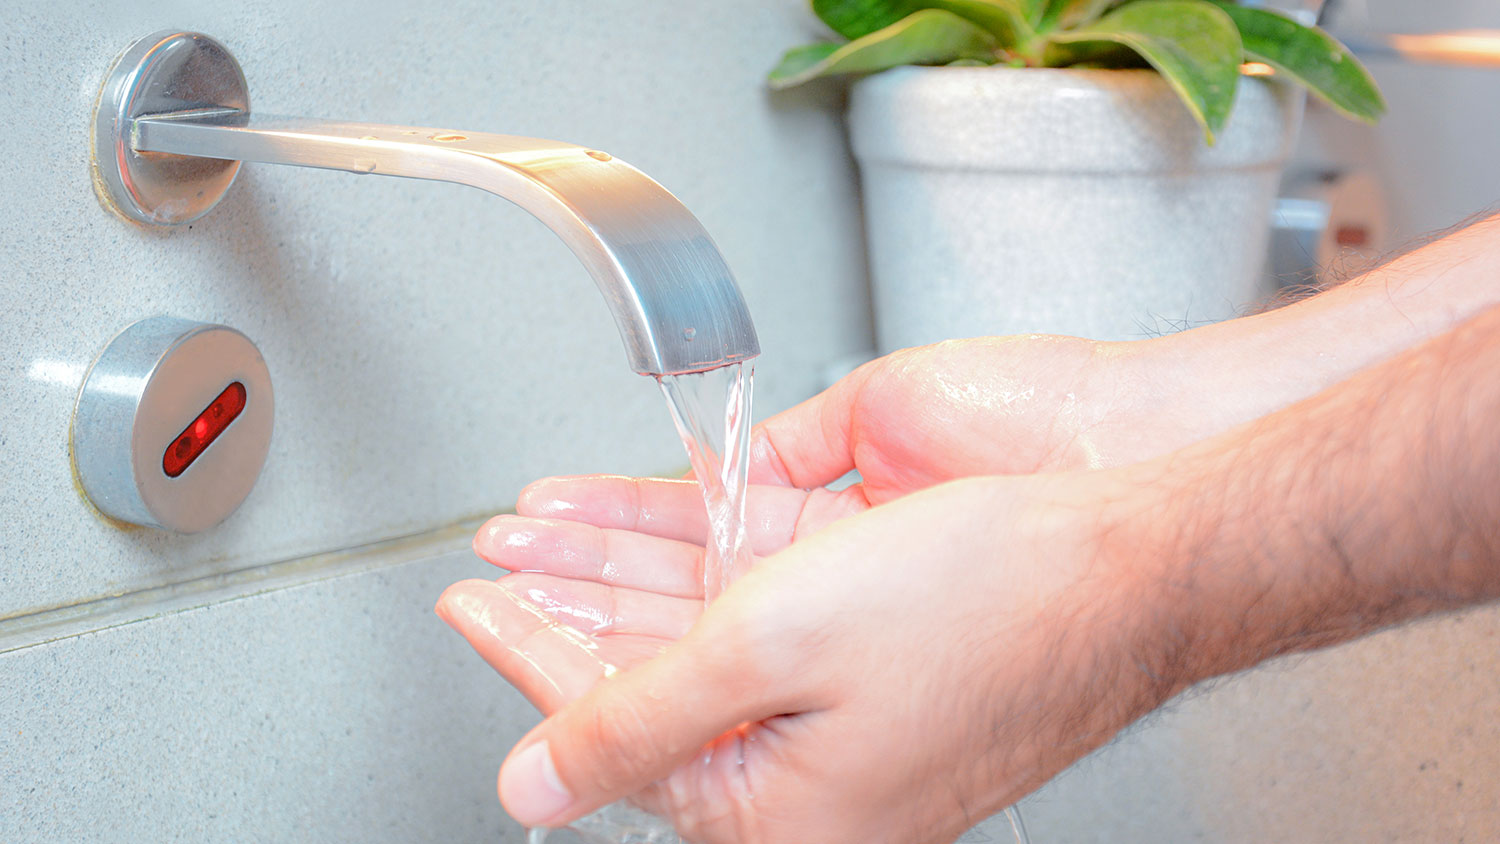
(675, 303)
(174, 122)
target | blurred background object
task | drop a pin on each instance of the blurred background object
(1353, 193)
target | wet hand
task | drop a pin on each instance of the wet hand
(988, 406)
(606, 571)
(896, 676)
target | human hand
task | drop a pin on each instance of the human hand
(590, 599)
(986, 406)
(828, 681)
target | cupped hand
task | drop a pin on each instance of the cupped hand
(894, 677)
(905, 422)
(608, 569)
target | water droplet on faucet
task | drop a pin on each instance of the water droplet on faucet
(449, 137)
(689, 333)
(365, 166)
(597, 155)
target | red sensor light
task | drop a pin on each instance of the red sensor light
(201, 432)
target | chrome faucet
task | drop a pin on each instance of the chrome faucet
(174, 122)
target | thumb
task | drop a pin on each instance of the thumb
(811, 444)
(635, 728)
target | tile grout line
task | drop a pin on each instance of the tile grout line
(50, 625)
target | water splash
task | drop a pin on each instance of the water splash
(617, 823)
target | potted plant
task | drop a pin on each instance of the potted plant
(1101, 168)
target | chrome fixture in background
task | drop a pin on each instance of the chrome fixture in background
(1327, 225)
(174, 123)
(1353, 193)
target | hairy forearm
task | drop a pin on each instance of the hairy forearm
(1376, 501)
(1236, 371)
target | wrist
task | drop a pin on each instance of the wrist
(1147, 555)
(1219, 376)
(1216, 563)
(1366, 505)
(1116, 597)
(1143, 400)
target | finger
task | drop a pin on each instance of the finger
(811, 444)
(587, 552)
(598, 610)
(515, 624)
(775, 516)
(549, 663)
(641, 725)
(670, 509)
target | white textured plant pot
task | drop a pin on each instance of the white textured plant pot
(1081, 202)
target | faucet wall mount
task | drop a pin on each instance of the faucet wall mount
(174, 123)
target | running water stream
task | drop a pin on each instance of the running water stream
(712, 412)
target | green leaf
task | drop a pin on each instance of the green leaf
(1194, 45)
(1065, 14)
(1312, 57)
(1034, 10)
(798, 60)
(1005, 19)
(930, 36)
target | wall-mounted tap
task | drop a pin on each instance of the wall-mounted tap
(171, 128)
(174, 122)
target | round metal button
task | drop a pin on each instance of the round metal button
(173, 424)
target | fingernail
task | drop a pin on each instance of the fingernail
(530, 788)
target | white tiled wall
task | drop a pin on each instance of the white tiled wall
(335, 711)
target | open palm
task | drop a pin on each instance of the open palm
(614, 582)
(609, 588)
